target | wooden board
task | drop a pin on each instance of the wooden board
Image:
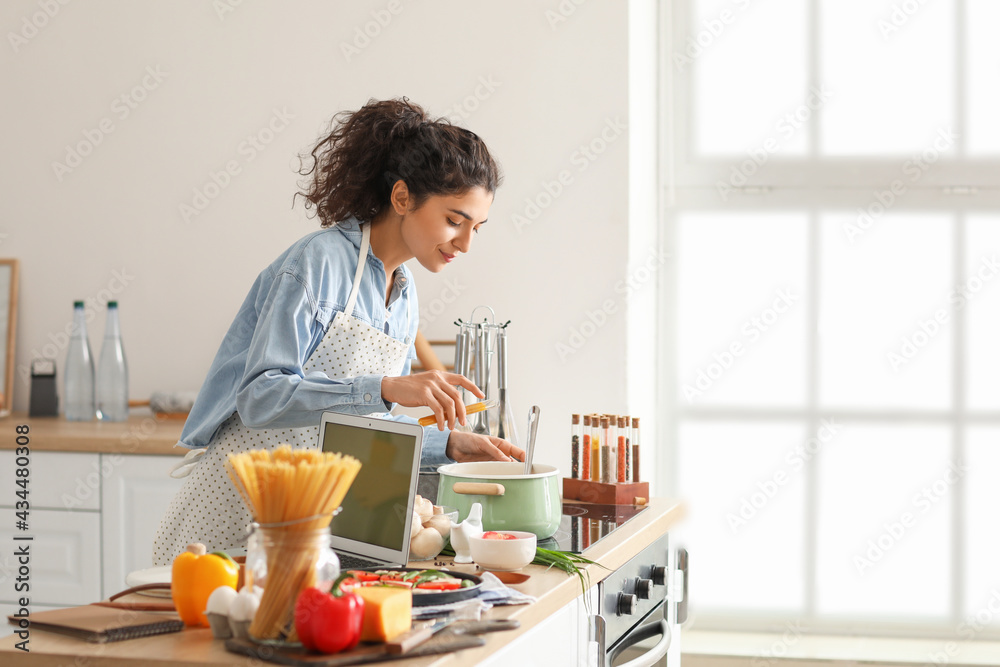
(444, 642)
(608, 494)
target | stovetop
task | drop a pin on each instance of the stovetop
(585, 524)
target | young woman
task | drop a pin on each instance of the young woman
(330, 324)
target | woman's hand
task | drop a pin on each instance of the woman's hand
(464, 446)
(433, 389)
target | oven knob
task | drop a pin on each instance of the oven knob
(659, 575)
(643, 587)
(626, 604)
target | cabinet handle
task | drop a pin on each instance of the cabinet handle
(599, 634)
(682, 568)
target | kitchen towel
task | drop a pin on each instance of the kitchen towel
(492, 594)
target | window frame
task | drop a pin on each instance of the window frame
(962, 186)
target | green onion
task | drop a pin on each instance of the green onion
(562, 560)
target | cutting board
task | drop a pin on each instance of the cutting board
(443, 642)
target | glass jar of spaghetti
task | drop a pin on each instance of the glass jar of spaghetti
(284, 559)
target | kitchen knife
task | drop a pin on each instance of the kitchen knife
(410, 640)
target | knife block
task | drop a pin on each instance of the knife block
(589, 491)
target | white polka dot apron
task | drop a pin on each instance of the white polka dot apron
(208, 508)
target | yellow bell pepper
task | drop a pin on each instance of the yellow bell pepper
(193, 577)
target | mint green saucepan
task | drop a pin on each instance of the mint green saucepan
(511, 499)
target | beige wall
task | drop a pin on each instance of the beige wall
(161, 95)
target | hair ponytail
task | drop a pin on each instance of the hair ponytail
(355, 166)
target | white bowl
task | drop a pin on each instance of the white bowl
(504, 555)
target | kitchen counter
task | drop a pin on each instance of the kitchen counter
(554, 590)
(141, 434)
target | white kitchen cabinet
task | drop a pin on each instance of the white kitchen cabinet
(561, 639)
(93, 518)
(59, 481)
(134, 496)
(65, 557)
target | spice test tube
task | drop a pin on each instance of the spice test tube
(585, 453)
(635, 449)
(575, 444)
(626, 431)
(595, 448)
(605, 452)
(621, 451)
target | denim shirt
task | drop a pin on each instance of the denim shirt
(258, 368)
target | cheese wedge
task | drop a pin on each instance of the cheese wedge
(388, 612)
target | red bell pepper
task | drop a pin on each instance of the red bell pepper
(329, 621)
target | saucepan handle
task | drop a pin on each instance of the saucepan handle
(478, 489)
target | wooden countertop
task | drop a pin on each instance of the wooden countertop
(141, 434)
(554, 590)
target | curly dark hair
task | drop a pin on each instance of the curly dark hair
(354, 168)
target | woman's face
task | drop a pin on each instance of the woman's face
(441, 229)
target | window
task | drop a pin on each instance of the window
(832, 389)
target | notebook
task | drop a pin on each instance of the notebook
(373, 528)
(103, 624)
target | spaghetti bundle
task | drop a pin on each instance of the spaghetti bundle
(292, 494)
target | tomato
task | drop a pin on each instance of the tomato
(440, 585)
(494, 535)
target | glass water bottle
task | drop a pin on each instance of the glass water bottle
(78, 389)
(112, 372)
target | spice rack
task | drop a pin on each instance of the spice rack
(613, 493)
(605, 461)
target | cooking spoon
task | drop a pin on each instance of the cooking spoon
(532, 430)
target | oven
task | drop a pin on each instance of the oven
(640, 608)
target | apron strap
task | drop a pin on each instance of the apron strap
(186, 465)
(366, 240)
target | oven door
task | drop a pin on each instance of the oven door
(646, 645)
